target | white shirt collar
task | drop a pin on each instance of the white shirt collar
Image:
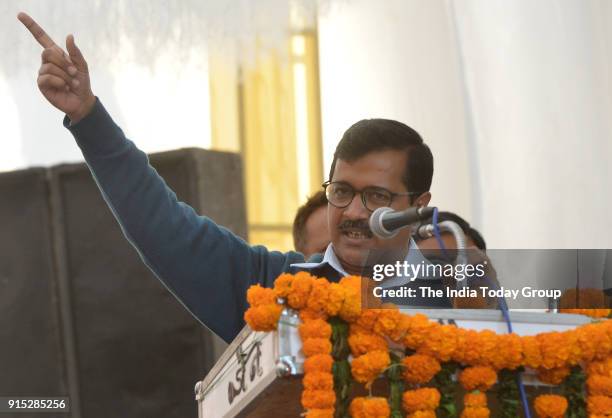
(414, 256)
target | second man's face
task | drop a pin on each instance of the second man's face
(348, 227)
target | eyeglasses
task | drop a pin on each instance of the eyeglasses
(341, 194)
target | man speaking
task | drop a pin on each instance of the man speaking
(377, 163)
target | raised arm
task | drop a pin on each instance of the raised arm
(205, 266)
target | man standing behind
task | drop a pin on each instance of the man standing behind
(378, 162)
(310, 229)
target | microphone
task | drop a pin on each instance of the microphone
(386, 222)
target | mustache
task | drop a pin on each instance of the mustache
(361, 225)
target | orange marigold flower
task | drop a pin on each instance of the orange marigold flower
(421, 399)
(335, 299)
(320, 413)
(419, 368)
(318, 381)
(599, 405)
(532, 355)
(419, 327)
(258, 295)
(509, 352)
(316, 328)
(373, 407)
(475, 399)
(282, 285)
(310, 315)
(599, 385)
(367, 367)
(319, 363)
(300, 290)
(367, 319)
(602, 368)
(550, 406)
(476, 412)
(263, 317)
(477, 378)
(364, 343)
(319, 295)
(318, 399)
(464, 353)
(555, 349)
(351, 308)
(485, 348)
(553, 376)
(313, 346)
(440, 344)
(422, 414)
(386, 324)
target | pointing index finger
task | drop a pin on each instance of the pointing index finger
(39, 34)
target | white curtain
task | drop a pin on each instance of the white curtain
(514, 97)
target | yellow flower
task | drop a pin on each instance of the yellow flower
(477, 378)
(318, 399)
(550, 406)
(419, 368)
(369, 408)
(263, 317)
(421, 399)
(367, 367)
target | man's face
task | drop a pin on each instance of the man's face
(317, 232)
(348, 226)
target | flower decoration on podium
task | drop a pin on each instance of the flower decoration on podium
(403, 365)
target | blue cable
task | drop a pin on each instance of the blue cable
(437, 234)
(502, 304)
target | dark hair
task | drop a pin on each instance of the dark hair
(313, 203)
(465, 226)
(371, 135)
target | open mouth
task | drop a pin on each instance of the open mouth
(357, 234)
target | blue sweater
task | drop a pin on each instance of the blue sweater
(205, 266)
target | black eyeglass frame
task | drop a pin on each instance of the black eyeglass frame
(363, 196)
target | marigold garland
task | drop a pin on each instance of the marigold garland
(424, 399)
(420, 368)
(477, 378)
(371, 407)
(482, 352)
(550, 406)
(367, 367)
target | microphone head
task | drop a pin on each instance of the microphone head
(376, 225)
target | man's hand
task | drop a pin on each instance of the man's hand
(63, 78)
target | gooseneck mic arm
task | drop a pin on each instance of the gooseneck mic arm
(385, 222)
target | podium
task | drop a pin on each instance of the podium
(259, 375)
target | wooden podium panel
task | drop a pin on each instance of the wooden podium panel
(259, 375)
